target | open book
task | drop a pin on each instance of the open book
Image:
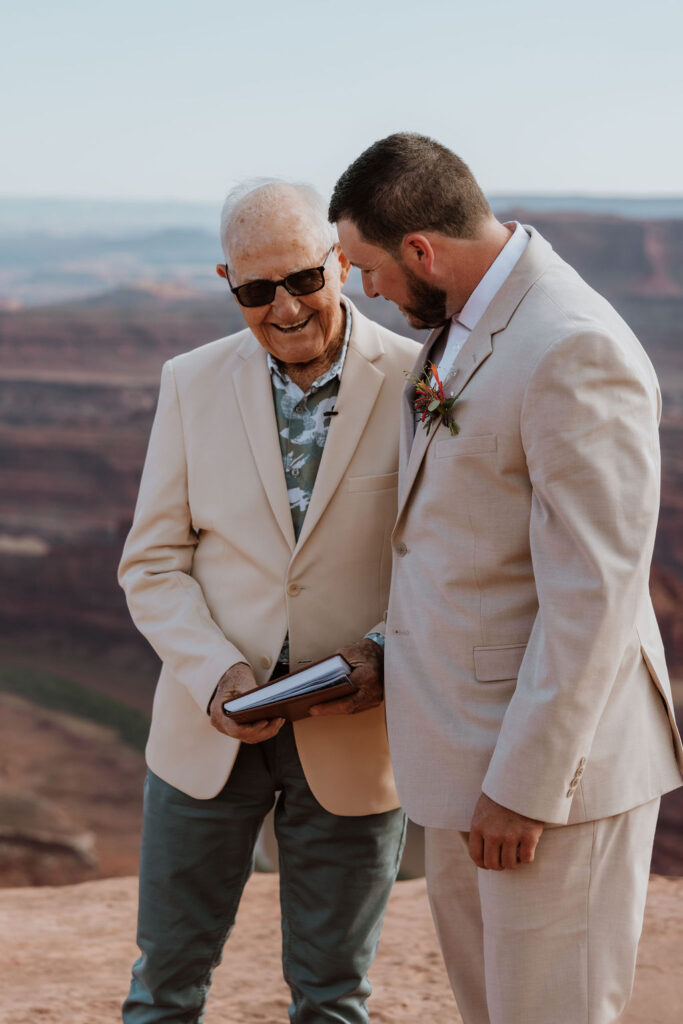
(291, 696)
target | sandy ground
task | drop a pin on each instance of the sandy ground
(65, 955)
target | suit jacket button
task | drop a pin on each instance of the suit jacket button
(266, 661)
(293, 589)
(401, 549)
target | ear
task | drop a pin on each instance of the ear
(344, 266)
(417, 252)
(220, 270)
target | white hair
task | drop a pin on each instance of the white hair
(310, 195)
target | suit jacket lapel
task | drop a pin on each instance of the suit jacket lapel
(255, 400)
(358, 390)
(476, 350)
(411, 447)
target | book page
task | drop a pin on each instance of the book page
(314, 677)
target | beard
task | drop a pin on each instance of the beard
(427, 303)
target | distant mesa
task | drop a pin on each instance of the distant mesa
(143, 293)
(39, 844)
(32, 547)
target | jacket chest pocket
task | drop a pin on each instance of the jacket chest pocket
(480, 444)
(383, 482)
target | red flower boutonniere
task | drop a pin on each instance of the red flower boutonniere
(430, 401)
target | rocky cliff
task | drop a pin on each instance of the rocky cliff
(78, 385)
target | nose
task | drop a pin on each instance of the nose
(284, 305)
(368, 286)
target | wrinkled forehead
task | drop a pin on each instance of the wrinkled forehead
(275, 230)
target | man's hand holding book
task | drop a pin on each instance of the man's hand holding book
(346, 683)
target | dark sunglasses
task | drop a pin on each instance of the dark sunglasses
(262, 292)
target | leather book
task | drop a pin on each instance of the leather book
(292, 695)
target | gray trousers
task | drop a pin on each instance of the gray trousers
(336, 874)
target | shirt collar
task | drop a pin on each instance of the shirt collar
(277, 370)
(494, 278)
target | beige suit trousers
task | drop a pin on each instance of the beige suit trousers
(552, 942)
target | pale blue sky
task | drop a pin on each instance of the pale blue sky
(144, 99)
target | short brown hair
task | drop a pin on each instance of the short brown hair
(408, 182)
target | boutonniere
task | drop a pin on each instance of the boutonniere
(430, 401)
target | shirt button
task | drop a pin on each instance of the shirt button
(266, 662)
(293, 589)
(401, 549)
(295, 472)
(299, 407)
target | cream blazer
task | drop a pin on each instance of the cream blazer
(212, 573)
(523, 656)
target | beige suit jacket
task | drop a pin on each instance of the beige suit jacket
(212, 573)
(523, 656)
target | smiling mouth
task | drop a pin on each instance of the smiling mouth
(294, 327)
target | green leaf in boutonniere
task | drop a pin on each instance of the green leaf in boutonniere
(430, 403)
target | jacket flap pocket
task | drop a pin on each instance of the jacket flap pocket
(466, 445)
(500, 662)
(373, 483)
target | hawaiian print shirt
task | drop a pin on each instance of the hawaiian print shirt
(302, 424)
(303, 421)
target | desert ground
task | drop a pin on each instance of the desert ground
(66, 953)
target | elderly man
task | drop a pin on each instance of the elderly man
(261, 543)
(529, 708)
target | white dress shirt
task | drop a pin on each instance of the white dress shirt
(464, 322)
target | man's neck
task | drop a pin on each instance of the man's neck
(471, 258)
(305, 374)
